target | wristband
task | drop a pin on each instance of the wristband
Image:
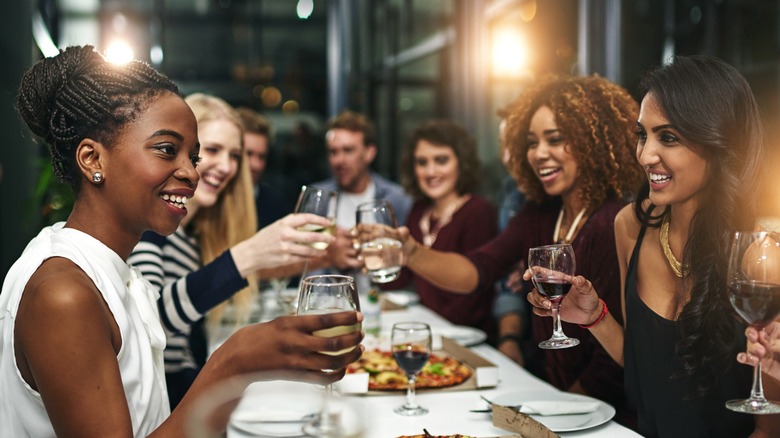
(508, 337)
(604, 311)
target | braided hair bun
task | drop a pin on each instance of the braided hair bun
(78, 94)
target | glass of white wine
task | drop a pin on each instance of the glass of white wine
(321, 294)
(377, 242)
(322, 202)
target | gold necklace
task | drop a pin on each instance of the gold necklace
(430, 235)
(678, 268)
(572, 227)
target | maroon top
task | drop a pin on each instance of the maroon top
(596, 257)
(474, 224)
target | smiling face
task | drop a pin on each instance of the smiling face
(549, 155)
(677, 171)
(150, 172)
(220, 153)
(436, 170)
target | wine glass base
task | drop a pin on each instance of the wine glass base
(410, 411)
(557, 344)
(754, 406)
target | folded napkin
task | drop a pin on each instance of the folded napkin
(559, 407)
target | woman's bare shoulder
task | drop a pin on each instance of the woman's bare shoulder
(627, 225)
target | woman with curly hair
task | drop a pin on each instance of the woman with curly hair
(701, 145)
(569, 142)
(440, 170)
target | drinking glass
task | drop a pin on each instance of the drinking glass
(552, 267)
(411, 346)
(376, 238)
(754, 291)
(321, 294)
(321, 202)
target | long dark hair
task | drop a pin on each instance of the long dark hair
(712, 106)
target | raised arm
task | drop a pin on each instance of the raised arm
(447, 270)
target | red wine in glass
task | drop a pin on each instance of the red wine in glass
(411, 361)
(754, 292)
(553, 288)
(757, 303)
(552, 267)
(411, 344)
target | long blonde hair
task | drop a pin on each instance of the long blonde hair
(231, 219)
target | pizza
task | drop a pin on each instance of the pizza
(385, 375)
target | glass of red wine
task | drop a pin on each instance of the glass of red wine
(552, 267)
(754, 291)
(411, 346)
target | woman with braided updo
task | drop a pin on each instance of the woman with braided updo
(80, 337)
(569, 143)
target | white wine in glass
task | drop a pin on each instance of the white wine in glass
(321, 202)
(754, 292)
(320, 294)
(380, 250)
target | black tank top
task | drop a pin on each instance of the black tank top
(663, 403)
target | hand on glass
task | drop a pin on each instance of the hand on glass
(287, 347)
(763, 345)
(580, 306)
(342, 253)
(280, 244)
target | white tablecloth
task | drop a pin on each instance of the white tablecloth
(449, 411)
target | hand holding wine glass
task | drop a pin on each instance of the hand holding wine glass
(754, 291)
(552, 267)
(376, 240)
(321, 202)
(411, 344)
(320, 294)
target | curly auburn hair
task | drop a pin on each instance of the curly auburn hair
(445, 134)
(598, 121)
(78, 94)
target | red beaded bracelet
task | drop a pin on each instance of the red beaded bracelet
(604, 311)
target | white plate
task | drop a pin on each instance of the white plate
(401, 297)
(265, 402)
(561, 423)
(463, 335)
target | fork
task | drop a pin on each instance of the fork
(490, 403)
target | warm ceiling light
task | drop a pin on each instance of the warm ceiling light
(119, 52)
(509, 52)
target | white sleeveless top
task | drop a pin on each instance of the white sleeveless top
(132, 302)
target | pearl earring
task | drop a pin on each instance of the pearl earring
(97, 177)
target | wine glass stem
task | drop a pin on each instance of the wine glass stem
(410, 402)
(557, 329)
(757, 392)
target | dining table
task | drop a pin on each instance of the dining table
(450, 410)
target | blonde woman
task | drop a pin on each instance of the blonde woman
(211, 259)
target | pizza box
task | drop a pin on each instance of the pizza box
(485, 373)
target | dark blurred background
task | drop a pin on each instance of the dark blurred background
(401, 61)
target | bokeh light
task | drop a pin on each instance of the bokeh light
(509, 53)
(304, 8)
(119, 52)
(271, 97)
